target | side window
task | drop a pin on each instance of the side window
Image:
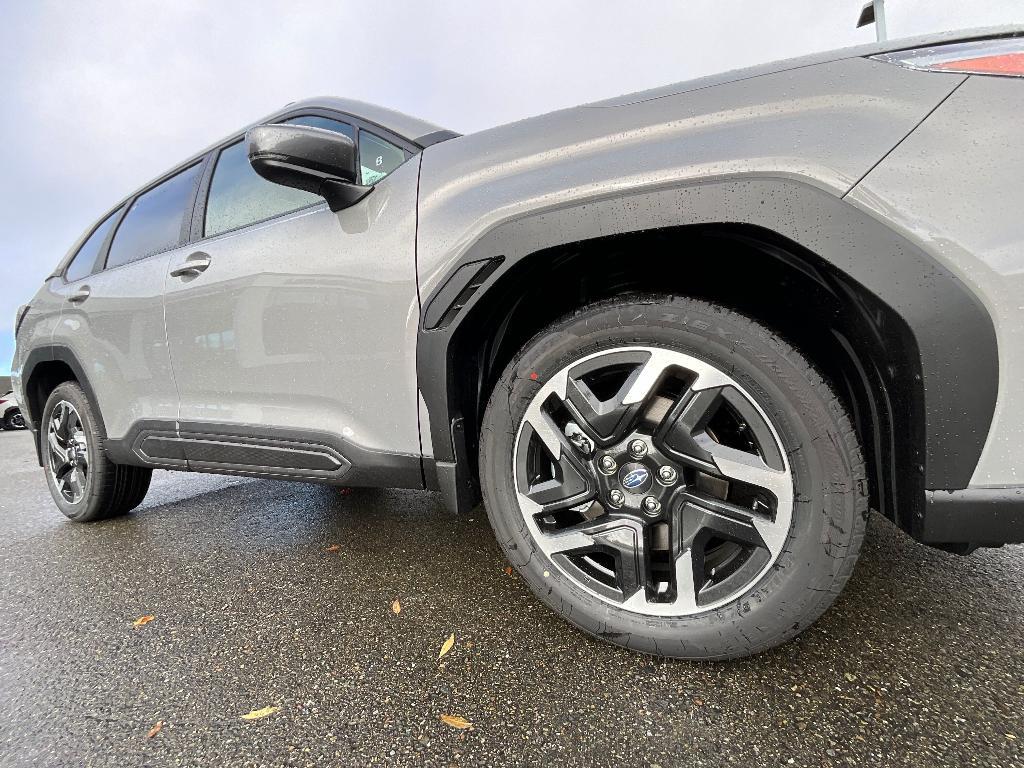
(239, 196)
(81, 266)
(377, 158)
(155, 219)
(315, 121)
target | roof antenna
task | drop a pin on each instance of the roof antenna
(873, 13)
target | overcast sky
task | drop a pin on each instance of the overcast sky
(101, 97)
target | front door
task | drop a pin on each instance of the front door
(292, 330)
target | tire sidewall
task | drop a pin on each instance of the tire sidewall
(85, 508)
(784, 599)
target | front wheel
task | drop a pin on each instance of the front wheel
(670, 476)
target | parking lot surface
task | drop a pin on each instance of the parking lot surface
(282, 595)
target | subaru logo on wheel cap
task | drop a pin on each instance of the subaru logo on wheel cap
(635, 478)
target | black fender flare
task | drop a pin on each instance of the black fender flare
(954, 333)
(46, 354)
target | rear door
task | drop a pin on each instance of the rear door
(112, 316)
(293, 339)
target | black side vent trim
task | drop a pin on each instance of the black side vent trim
(449, 300)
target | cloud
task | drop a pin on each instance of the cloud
(101, 97)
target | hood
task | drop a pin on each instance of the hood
(870, 49)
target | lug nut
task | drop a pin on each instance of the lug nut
(638, 448)
(616, 497)
(651, 505)
(607, 464)
(667, 475)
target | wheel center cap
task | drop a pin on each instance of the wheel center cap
(635, 478)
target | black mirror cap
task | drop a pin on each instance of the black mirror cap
(312, 159)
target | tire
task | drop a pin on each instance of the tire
(760, 522)
(13, 420)
(85, 484)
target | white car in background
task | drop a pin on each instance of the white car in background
(10, 413)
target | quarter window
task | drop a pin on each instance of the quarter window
(239, 196)
(377, 158)
(84, 261)
(155, 220)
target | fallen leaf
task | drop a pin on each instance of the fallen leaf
(142, 621)
(455, 721)
(446, 646)
(259, 714)
(155, 729)
(333, 548)
(508, 570)
(396, 607)
(850, 678)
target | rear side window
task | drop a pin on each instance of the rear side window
(377, 158)
(81, 266)
(155, 220)
(239, 196)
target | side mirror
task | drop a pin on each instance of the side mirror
(313, 159)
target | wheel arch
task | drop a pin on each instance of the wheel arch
(45, 368)
(909, 348)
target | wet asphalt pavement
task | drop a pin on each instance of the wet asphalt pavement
(279, 595)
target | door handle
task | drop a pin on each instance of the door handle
(80, 295)
(193, 265)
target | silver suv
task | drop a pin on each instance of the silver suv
(679, 341)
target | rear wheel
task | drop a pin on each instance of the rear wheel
(671, 477)
(84, 483)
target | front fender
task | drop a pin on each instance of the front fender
(954, 334)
